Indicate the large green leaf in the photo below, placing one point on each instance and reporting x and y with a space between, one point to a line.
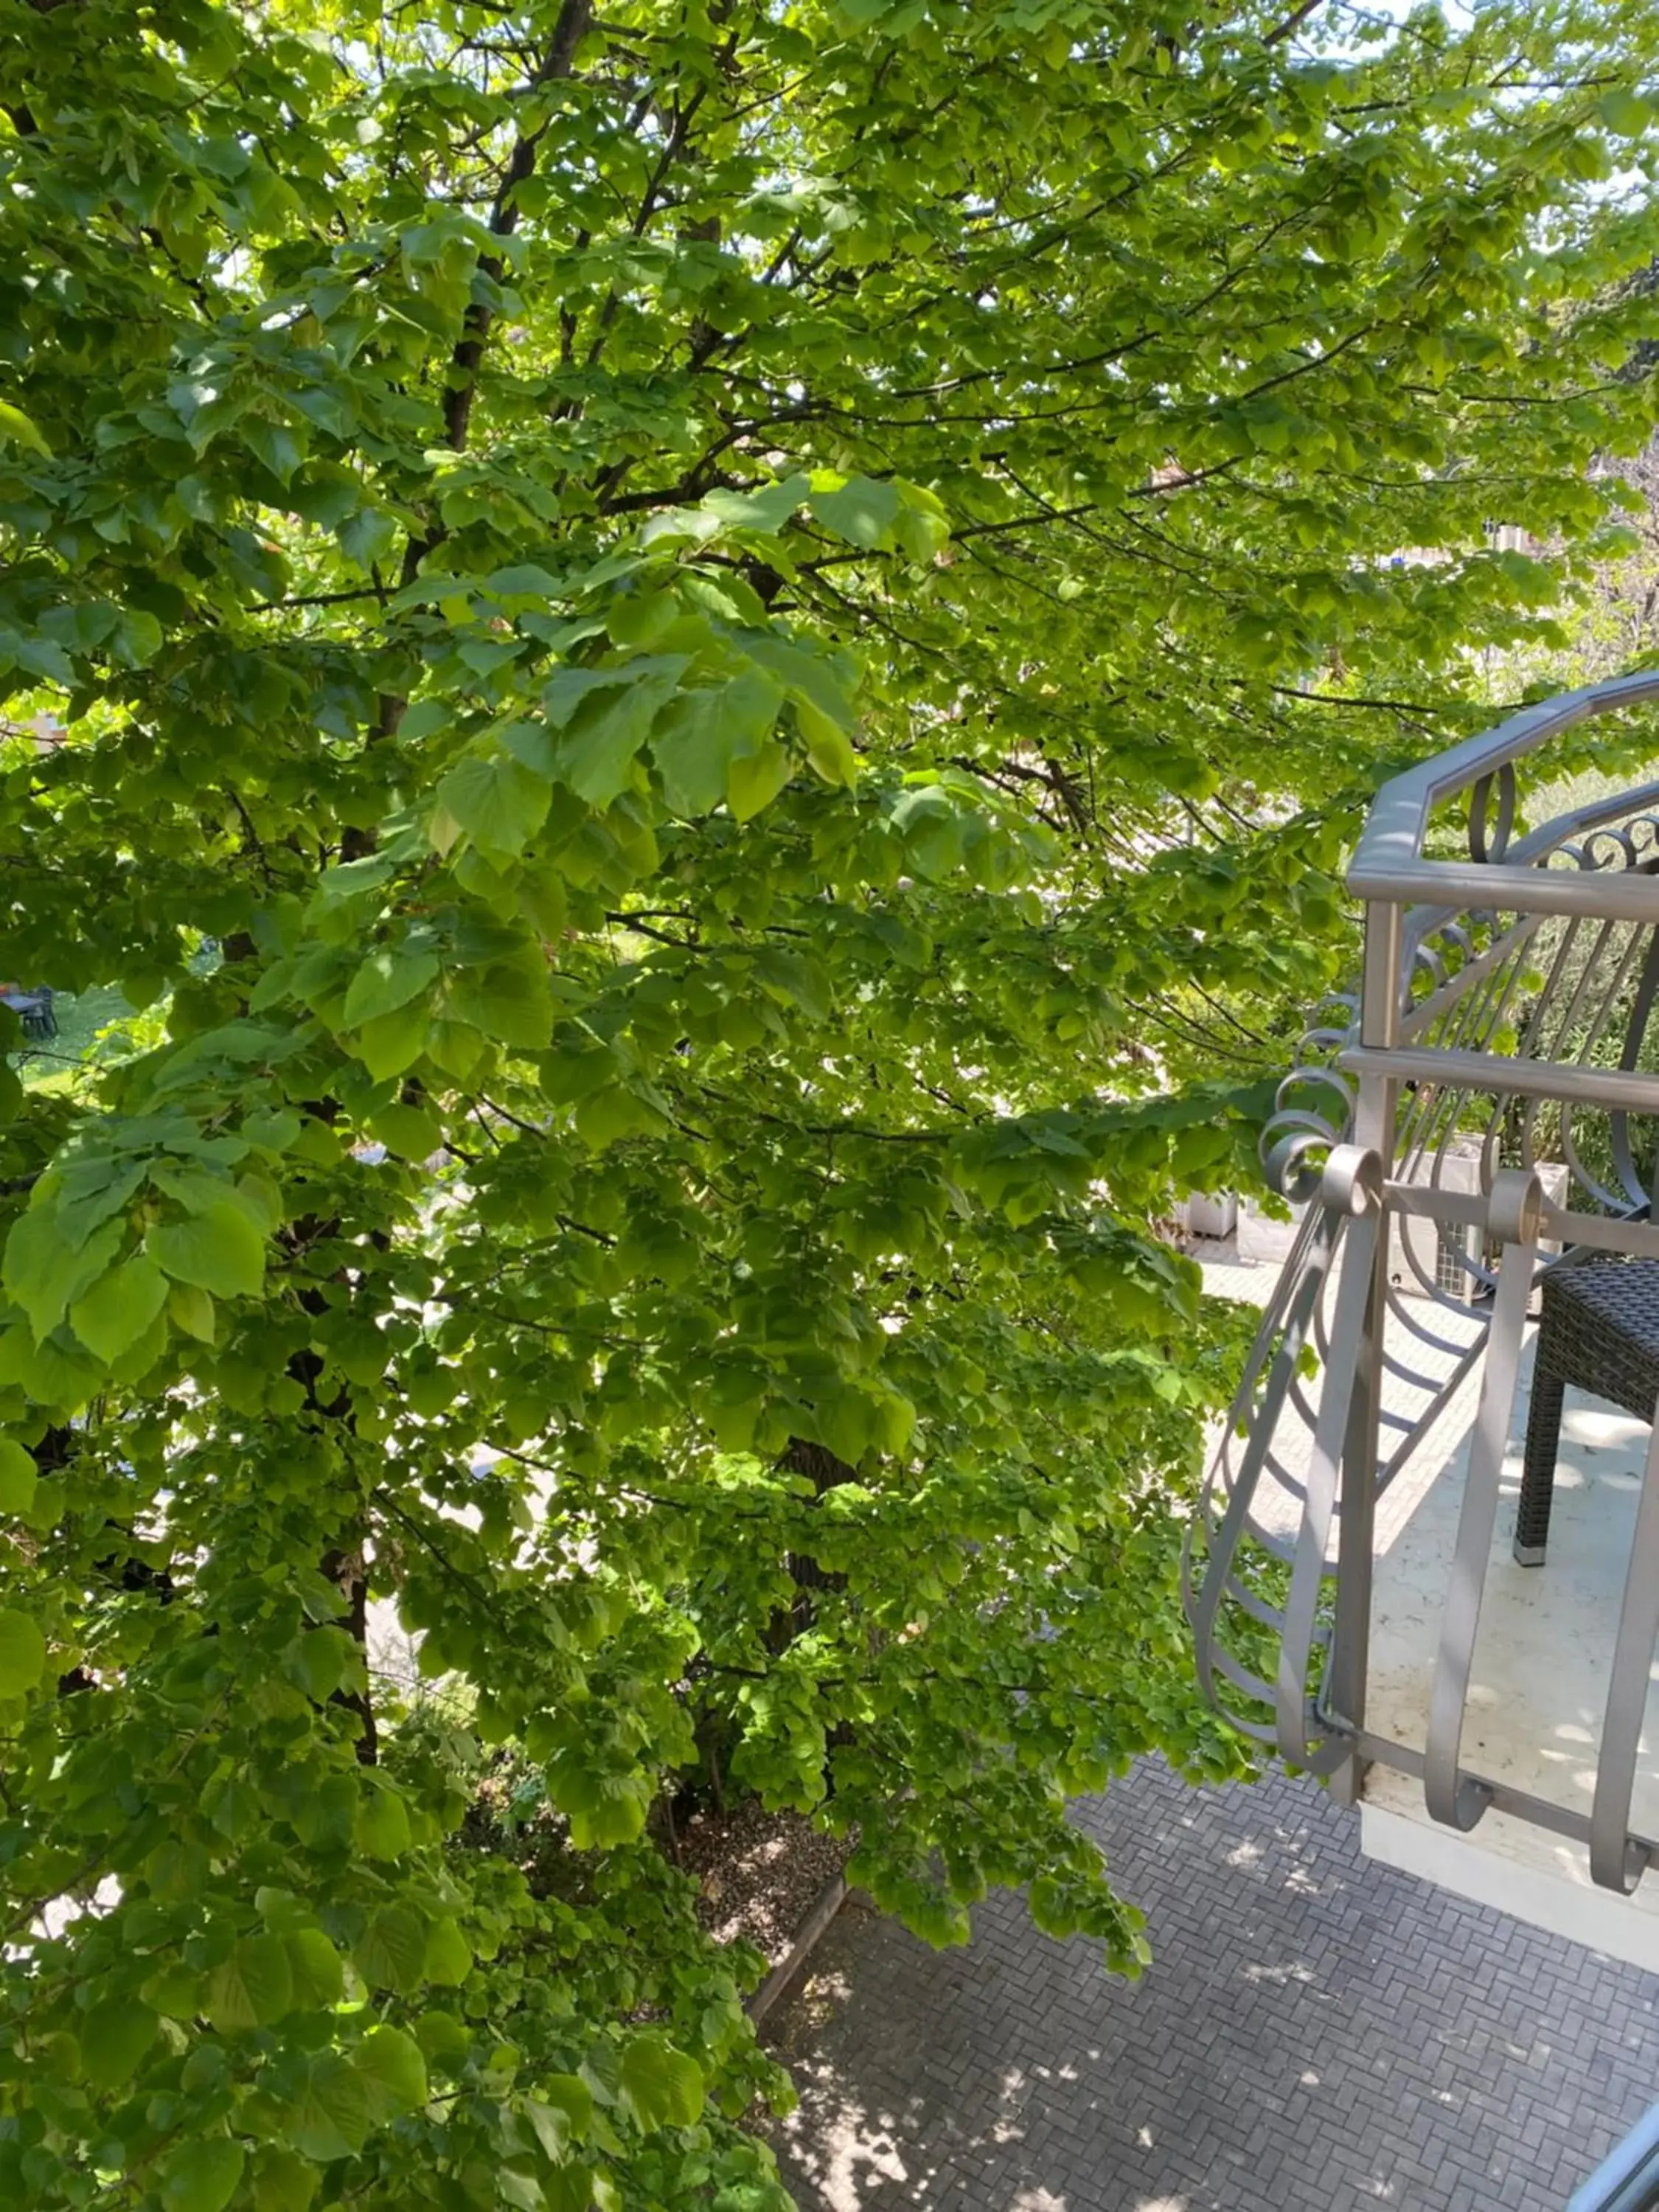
120 1307
595 755
756 779
43 1271
705 731
561 2113
389 978
511 1000
315 1964
662 2086
382 1828
394 2070
23 1652
201 2176
114 2035
15 425
494 800
448 1955
19 1477
251 1987
861 510
218 1250
603 1807
390 1954
392 1043
283 2181
331 2114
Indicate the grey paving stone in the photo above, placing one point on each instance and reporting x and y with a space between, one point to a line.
1313 2032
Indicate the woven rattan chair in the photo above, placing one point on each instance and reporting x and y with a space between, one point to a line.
1599 1331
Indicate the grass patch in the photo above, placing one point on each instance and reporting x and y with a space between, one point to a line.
53 1064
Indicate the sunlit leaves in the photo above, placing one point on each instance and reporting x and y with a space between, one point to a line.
448 1955
709 783
43 1269
18 1478
22 1653
120 1306
711 735
496 801
661 2085
604 1806
382 1824
283 2181
388 979
218 1250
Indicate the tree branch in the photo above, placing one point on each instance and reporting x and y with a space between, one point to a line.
558 61
1293 22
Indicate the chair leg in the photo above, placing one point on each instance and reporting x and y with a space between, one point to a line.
1532 1521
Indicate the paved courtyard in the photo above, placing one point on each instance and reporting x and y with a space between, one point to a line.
1314 2034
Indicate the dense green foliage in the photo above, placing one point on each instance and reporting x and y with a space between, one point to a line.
754 630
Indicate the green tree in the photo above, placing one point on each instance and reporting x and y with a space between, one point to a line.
754 630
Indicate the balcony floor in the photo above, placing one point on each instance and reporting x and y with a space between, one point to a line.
1541 1662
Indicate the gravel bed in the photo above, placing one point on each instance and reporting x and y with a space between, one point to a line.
759 1871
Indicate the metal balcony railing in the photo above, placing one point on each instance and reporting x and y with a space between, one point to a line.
1627 2179
1485 1110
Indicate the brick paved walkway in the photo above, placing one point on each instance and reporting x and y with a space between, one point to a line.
1314 2034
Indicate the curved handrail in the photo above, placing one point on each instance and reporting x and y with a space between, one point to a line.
1389 862
1627 2179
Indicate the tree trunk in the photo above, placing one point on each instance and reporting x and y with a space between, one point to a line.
826 1472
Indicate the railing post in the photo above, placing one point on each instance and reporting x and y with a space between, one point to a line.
1515 1213
1380 994
1374 1124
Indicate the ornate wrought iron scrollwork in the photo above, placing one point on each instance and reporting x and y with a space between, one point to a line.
1632 844
1313 1107
1490 841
